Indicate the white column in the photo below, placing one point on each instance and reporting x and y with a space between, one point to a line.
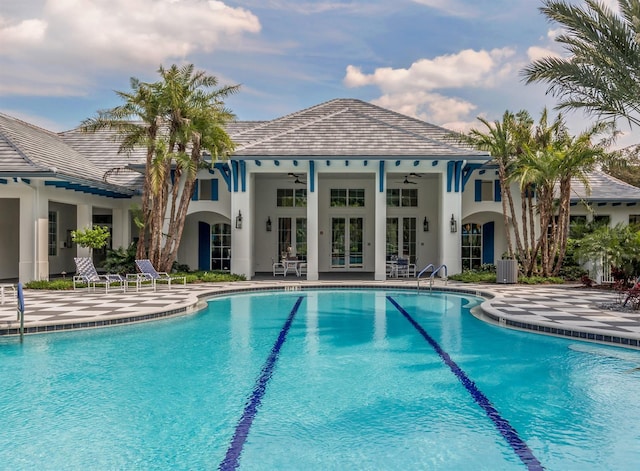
380 224
451 204
26 270
83 221
313 225
241 238
121 230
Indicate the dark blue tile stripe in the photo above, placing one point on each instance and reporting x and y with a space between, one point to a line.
504 427
232 458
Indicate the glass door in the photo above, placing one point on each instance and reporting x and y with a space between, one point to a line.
221 247
347 242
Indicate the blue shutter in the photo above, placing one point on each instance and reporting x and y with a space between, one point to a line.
478 190
214 189
497 191
194 197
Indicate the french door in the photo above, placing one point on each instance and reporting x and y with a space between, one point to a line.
347 242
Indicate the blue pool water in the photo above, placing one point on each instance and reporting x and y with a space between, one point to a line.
318 380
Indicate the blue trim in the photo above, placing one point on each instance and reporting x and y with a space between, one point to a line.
615 204
481 172
85 189
243 175
3 181
215 196
497 191
416 163
234 175
478 190
328 163
517 444
467 171
226 173
602 204
631 204
258 163
231 460
450 165
25 180
295 163
365 163
173 176
458 173
397 163
346 163
195 196
276 163
381 179
312 176
434 163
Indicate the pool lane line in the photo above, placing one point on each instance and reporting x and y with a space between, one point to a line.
232 457
510 434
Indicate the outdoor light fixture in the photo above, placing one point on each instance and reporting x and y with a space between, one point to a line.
454 224
239 220
268 223
425 225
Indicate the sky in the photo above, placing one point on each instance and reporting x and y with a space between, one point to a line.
443 61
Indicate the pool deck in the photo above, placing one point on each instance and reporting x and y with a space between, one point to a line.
566 311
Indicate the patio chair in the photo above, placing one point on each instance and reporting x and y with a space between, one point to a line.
277 267
149 273
86 273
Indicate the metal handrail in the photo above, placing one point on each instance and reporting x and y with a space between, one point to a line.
20 309
433 274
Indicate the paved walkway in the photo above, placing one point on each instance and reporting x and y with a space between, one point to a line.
555 310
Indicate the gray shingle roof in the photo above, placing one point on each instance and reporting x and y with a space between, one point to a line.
101 148
348 127
27 150
604 188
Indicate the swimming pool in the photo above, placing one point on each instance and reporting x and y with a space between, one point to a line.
318 379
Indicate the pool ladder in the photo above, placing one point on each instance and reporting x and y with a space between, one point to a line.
434 273
20 310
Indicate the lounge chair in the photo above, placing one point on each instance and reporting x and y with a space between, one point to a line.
149 273
86 273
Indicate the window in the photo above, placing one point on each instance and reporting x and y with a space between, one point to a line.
206 190
603 220
289 197
487 190
577 226
292 243
405 197
471 246
341 197
634 219
221 247
53 233
405 247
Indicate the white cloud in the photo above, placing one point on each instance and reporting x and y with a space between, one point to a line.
450 7
412 91
535 53
93 36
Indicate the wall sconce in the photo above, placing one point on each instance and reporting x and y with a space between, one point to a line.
425 225
269 224
239 220
454 224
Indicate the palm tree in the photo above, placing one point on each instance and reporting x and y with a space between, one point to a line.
600 74
137 123
179 117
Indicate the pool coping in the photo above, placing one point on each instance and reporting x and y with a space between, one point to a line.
195 301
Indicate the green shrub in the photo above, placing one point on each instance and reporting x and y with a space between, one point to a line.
538 280
54 285
474 276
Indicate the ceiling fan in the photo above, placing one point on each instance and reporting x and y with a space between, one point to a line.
407 181
297 178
